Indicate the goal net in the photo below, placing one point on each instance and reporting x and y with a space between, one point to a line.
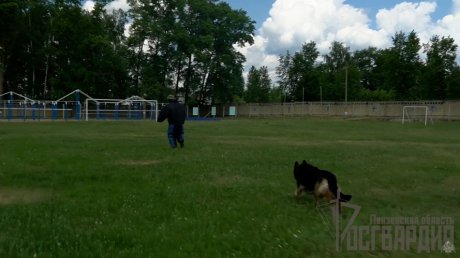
416 114
133 108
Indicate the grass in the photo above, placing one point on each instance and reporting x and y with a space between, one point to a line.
115 189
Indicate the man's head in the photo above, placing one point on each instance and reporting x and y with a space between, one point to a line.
171 98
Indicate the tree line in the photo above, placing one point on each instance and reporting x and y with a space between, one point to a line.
186 47
396 73
183 47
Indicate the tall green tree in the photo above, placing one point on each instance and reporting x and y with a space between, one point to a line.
87 51
282 72
305 83
10 21
453 84
441 54
402 66
153 48
368 64
339 74
57 47
258 85
298 78
186 46
225 65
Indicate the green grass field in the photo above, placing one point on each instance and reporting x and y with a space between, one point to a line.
116 189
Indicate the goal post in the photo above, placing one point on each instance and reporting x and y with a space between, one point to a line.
134 108
416 113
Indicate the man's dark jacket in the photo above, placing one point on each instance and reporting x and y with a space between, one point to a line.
174 112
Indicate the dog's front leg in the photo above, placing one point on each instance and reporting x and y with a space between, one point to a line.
299 190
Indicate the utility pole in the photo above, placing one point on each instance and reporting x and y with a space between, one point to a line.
346 85
303 94
321 94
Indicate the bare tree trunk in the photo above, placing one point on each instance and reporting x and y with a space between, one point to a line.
2 70
45 81
203 86
2 75
187 78
47 64
138 67
33 57
204 83
179 68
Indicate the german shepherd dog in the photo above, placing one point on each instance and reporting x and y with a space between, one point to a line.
322 183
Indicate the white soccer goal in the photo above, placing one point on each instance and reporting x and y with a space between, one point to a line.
133 108
416 113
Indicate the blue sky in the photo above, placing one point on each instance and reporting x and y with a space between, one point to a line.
259 10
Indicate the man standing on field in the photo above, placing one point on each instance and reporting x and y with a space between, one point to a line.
175 113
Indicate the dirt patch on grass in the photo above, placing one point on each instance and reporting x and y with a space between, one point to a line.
258 140
366 143
242 141
451 183
133 162
379 192
232 180
10 195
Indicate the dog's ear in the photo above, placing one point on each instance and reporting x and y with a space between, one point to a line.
304 163
296 164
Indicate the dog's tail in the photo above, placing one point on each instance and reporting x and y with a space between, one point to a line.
345 197
333 187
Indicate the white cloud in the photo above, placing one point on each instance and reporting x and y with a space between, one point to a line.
114 5
256 56
294 22
407 17
88 5
117 4
449 25
127 29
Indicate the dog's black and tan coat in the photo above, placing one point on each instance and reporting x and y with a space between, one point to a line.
322 183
